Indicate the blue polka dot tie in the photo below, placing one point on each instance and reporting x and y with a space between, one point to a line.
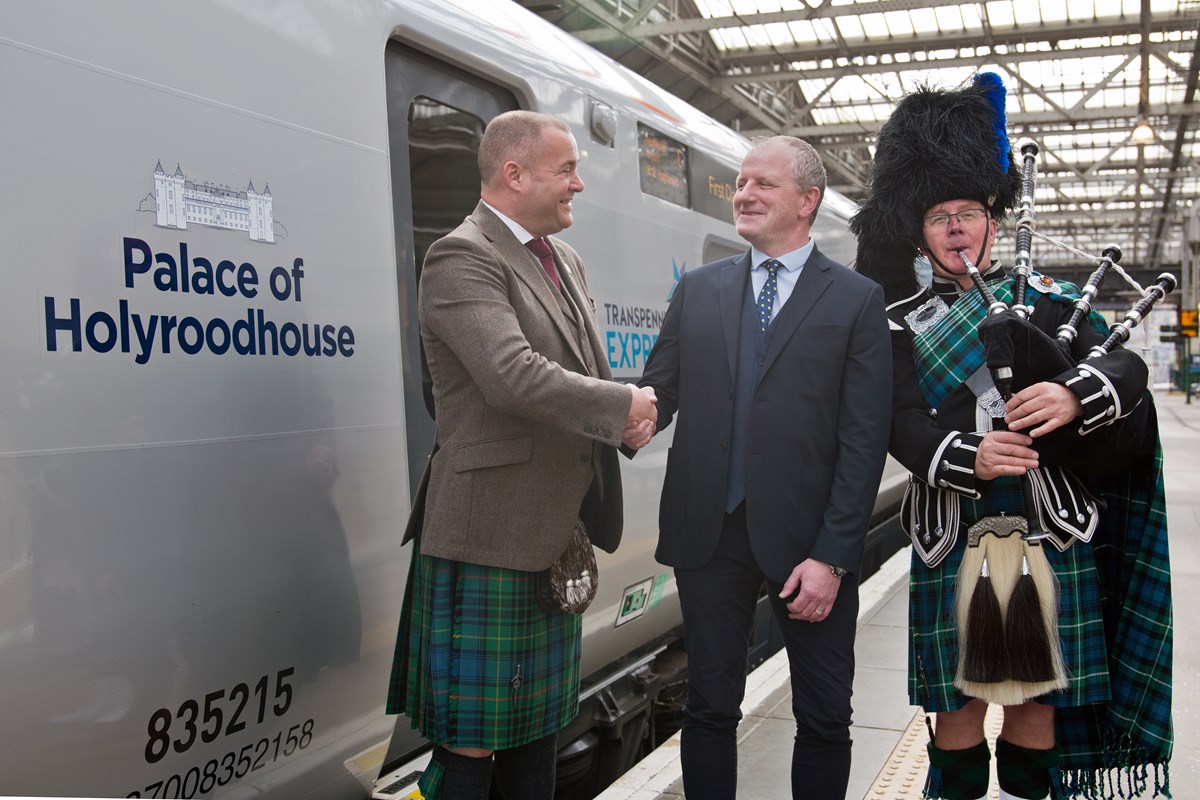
766 298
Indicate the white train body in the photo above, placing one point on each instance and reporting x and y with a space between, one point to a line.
211 414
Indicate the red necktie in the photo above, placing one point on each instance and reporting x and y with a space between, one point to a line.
541 249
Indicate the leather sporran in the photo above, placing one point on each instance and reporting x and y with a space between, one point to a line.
570 584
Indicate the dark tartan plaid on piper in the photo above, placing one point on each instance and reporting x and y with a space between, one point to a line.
478 663
933 641
950 351
1122 748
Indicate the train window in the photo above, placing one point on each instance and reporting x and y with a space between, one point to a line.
443 143
663 164
443 169
720 248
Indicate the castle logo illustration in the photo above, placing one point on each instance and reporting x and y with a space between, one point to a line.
180 201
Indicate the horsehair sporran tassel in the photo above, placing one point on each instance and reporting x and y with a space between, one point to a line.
1005 554
982 642
1048 592
1026 637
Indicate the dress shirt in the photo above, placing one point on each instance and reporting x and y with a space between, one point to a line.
786 278
523 236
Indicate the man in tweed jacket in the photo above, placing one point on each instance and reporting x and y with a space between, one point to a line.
527 423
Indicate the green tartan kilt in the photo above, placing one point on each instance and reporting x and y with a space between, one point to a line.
478 663
933 633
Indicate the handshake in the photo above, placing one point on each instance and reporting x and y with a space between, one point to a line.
643 418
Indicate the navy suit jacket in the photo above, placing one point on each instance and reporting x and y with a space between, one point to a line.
819 424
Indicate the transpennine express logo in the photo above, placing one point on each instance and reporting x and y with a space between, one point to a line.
633 330
678 272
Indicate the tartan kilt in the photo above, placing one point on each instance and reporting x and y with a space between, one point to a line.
478 663
933 634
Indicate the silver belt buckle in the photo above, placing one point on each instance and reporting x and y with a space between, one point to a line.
1001 526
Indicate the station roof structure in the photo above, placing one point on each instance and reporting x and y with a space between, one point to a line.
1081 76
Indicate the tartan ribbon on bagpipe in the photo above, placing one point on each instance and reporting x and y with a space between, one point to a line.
950 351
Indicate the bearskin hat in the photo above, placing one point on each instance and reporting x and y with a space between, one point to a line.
938 145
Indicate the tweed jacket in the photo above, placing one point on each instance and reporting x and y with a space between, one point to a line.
527 415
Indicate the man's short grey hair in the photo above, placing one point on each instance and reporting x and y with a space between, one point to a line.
512 136
807 169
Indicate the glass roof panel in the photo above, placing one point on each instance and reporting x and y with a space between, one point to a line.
874 25
852 27
731 38
1001 15
949 18
1081 108
1043 11
712 8
779 34
920 20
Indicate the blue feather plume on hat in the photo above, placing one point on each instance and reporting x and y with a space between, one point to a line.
995 93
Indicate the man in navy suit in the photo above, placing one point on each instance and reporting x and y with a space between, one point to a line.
778 365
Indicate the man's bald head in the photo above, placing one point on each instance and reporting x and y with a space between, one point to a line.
512 136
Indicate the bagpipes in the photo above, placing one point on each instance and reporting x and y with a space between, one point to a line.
1020 354
1006 606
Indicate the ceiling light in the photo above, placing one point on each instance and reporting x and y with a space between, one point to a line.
1143 133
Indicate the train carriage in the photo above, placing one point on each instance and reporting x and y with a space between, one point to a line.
212 414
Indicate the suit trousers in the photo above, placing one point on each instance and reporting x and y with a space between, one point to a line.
719 601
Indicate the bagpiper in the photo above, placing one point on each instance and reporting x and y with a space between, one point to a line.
1040 576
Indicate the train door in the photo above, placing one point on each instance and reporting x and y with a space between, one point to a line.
436 116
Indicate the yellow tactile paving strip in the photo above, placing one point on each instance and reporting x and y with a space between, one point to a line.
903 776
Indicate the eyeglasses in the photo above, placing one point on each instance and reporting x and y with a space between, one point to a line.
967 216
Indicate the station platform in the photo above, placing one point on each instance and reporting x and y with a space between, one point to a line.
889 734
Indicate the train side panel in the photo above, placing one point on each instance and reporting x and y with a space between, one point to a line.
200 493
211 411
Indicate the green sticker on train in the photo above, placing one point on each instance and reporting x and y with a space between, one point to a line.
656 593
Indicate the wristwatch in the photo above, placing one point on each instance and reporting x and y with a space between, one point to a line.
837 571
